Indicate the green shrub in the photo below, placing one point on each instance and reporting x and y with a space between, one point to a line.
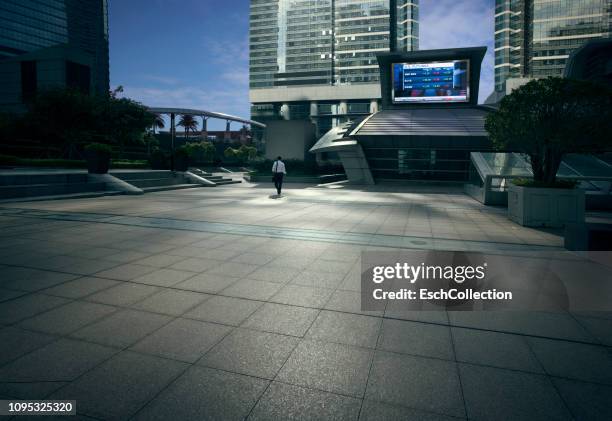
159 160
98 147
557 184
200 152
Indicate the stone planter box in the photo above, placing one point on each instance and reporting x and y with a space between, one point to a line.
98 162
545 207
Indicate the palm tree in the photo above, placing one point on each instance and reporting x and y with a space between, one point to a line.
158 123
189 124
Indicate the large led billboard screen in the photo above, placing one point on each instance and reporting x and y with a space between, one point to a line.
431 82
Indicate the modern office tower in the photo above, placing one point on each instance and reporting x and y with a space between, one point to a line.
316 59
47 43
534 38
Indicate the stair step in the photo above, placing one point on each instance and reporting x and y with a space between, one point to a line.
84 195
172 187
31 190
140 175
156 182
227 181
18 179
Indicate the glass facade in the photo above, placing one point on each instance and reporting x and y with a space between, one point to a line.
325 42
534 38
29 25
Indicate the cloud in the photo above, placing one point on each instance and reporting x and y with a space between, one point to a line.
166 80
452 23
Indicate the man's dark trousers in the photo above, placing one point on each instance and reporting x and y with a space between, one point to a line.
278 182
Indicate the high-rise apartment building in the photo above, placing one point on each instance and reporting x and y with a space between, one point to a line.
316 59
52 42
534 38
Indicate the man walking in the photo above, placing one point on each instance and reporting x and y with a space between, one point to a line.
278 171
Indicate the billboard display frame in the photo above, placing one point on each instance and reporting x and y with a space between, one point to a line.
434 99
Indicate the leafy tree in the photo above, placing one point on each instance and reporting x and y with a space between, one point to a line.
200 151
229 152
64 118
158 123
125 121
69 119
243 154
189 123
548 118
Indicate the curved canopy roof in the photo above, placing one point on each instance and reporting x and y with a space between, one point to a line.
202 113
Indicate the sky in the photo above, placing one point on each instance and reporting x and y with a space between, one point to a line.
195 53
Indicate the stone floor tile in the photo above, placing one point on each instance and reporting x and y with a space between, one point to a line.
330 367
207 282
586 401
414 338
283 319
171 302
62 360
125 272
495 349
67 318
378 411
251 289
259 354
349 329
123 294
573 360
163 277
496 394
80 287
421 383
225 310
205 394
27 306
122 328
26 279
127 382
16 342
182 339
287 402
302 296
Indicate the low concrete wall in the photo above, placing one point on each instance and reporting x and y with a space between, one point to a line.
291 179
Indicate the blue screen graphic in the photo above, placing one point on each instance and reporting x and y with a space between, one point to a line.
431 82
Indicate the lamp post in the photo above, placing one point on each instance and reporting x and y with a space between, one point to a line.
172 136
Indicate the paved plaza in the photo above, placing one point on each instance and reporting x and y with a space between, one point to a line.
225 303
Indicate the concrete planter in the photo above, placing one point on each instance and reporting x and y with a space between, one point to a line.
545 207
98 162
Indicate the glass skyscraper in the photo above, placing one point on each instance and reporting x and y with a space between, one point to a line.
534 38
30 25
317 58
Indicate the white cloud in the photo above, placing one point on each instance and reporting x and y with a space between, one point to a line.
226 91
166 80
452 23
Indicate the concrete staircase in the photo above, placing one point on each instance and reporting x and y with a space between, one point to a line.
41 184
217 179
159 180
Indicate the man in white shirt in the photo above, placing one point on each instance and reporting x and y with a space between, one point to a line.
278 171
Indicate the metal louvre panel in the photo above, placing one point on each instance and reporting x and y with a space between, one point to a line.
426 122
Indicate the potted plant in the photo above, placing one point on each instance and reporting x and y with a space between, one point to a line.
544 120
181 159
158 159
98 156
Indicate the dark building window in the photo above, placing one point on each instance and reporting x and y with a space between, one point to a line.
28 80
78 76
